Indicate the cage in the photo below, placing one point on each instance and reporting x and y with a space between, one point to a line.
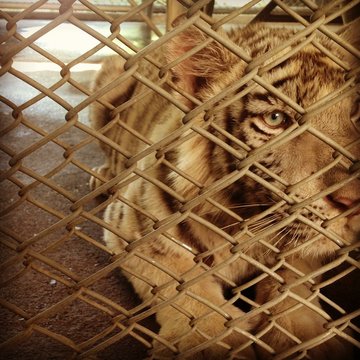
64 292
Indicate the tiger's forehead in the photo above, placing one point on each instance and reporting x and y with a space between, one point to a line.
305 77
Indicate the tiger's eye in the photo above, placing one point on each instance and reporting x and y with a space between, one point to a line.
274 119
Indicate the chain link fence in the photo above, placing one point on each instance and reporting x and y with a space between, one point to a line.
63 294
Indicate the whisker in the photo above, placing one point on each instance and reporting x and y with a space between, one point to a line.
308 235
295 234
230 225
287 230
283 236
251 227
262 224
236 206
245 205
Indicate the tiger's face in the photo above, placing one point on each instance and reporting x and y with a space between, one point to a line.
307 166
303 168
312 175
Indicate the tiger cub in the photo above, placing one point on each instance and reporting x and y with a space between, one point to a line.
213 201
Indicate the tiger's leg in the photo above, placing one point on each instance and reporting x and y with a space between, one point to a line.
192 319
303 322
195 325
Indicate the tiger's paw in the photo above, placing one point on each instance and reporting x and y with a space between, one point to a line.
196 344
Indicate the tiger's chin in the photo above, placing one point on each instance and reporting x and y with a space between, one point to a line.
342 234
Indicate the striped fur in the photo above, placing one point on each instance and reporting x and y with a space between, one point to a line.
189 247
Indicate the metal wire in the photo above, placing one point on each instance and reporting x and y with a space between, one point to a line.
40 253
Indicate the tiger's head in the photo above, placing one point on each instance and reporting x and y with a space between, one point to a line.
288 158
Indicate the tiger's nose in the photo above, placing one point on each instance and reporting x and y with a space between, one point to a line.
345 203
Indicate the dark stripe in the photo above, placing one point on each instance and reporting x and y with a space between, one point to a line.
241 134
209 260
282 65
127 95
189 238
250 114
262 97
229 127
142 189
240 89
172 156
156 250
229 120
257 129
121 214
243 192
172 204
281 82
142 223
141 219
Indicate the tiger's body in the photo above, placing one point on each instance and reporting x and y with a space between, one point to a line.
197 230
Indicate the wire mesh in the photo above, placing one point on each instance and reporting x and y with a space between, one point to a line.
62 291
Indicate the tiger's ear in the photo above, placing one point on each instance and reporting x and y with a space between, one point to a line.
202 67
